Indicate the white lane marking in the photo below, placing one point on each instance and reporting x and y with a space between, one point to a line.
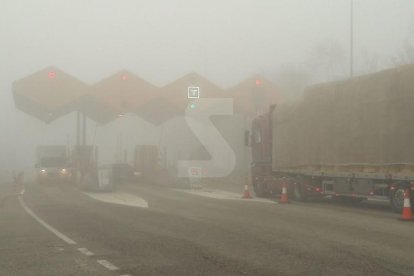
107 265
119 198
85 251
205 194
44 224
65 238
218 194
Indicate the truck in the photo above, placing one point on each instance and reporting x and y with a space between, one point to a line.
52 164
350 140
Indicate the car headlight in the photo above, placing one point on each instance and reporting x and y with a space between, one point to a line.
63 171
43 171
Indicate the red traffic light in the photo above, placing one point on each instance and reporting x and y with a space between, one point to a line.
259 82
51 75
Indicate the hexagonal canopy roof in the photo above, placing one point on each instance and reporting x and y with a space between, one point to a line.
51 93
177 91
254 96
158 110
124 92
48 94
95 109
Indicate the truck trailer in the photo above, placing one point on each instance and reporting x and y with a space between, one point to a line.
351 140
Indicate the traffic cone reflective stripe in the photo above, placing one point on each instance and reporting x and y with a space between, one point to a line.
246 193
284 196
407 213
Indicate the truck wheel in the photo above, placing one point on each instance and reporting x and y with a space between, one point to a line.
397 199
299 192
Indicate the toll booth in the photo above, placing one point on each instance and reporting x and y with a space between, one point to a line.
84 160
147 160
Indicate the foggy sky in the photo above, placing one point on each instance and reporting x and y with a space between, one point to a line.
161 40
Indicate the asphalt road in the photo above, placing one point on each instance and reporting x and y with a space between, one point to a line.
188 234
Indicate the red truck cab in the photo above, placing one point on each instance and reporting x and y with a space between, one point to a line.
265 181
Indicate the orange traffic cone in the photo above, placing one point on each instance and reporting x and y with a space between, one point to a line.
246 193
284 197
407 213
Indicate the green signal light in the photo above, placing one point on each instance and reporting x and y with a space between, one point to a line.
192 106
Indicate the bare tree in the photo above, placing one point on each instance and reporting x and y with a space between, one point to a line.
292 79
328 60
406 53
370 62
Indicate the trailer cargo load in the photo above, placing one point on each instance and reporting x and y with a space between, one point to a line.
360 125
351 140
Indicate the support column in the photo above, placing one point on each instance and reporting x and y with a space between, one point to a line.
84 130
78 128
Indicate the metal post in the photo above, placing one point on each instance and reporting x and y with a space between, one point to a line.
351 40
246 154
78 128
96 157
68 145
84 129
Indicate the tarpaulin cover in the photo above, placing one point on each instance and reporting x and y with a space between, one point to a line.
365 120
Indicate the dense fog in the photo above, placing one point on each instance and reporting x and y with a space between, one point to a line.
291 43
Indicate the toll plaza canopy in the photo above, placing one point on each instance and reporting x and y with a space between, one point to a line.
51 93
178 92
157 110
124 92
48 94
253 96
174 98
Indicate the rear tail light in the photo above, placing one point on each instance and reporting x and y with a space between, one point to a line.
317 189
